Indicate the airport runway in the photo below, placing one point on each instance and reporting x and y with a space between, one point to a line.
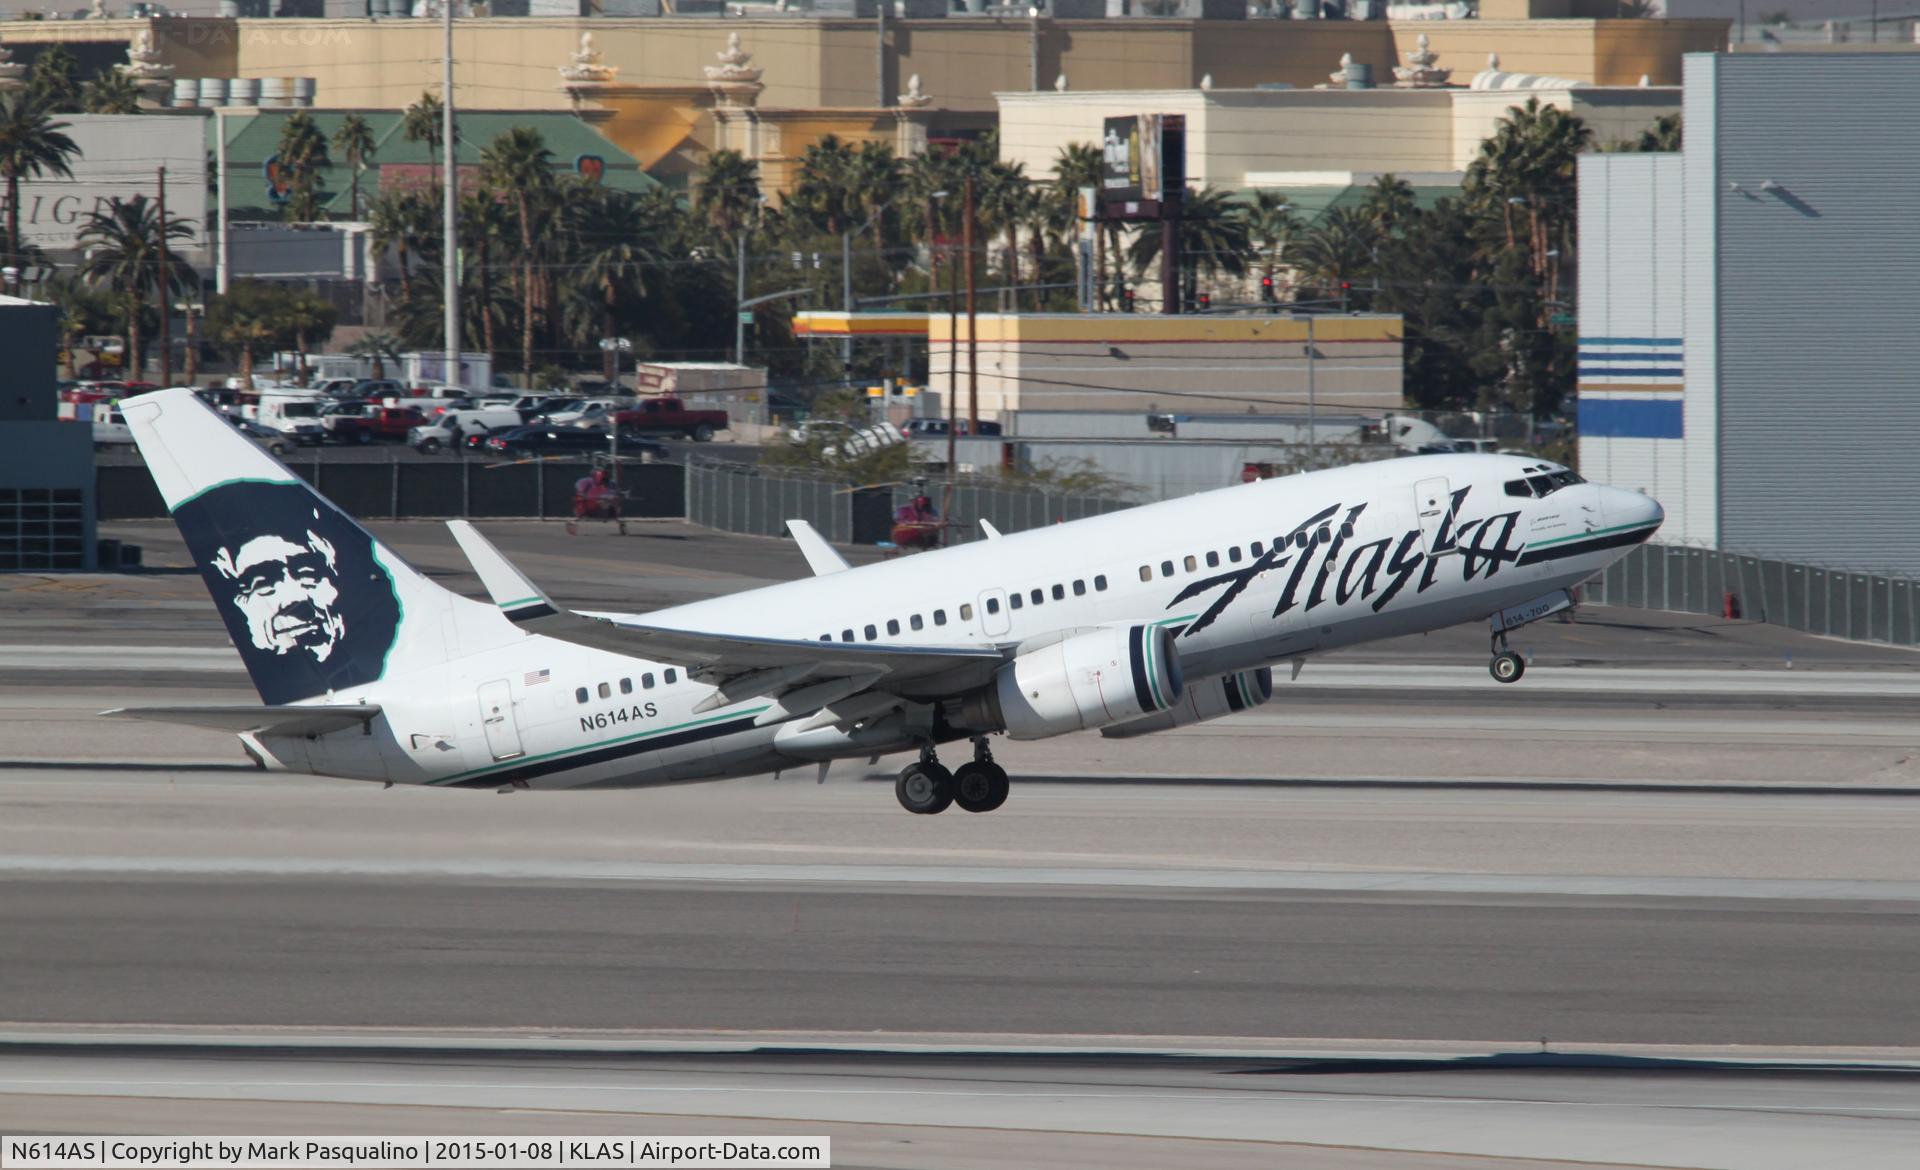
1674 832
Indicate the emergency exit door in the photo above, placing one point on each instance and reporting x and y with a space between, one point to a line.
496 718
1433 504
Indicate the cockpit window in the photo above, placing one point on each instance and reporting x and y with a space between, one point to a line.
1543 485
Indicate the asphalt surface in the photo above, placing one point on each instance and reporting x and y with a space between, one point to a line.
1674 832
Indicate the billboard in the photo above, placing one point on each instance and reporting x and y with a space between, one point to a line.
1143 158
120 156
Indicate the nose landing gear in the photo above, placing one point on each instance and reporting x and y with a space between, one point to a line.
925 787
1506 666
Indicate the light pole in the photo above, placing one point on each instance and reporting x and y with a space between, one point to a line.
189 309
613 347
846 279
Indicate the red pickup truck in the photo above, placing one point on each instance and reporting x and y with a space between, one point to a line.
670 416
374 422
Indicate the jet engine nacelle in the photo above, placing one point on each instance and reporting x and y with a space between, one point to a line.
1088 680
1210 698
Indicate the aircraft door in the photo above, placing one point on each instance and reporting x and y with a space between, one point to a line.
995 619
496 717
1433 504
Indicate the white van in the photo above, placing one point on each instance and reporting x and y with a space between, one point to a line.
109 429
294 413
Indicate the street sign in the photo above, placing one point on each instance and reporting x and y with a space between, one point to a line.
746 316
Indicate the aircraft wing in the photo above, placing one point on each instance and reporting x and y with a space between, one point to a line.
715 657
303 721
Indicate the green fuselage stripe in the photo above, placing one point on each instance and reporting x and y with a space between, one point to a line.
523 761
1589 535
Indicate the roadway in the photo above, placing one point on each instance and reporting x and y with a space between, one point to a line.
1677 845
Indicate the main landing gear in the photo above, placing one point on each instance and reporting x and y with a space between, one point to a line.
977 786
1506 666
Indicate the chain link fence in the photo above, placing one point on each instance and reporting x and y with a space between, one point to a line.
1860 607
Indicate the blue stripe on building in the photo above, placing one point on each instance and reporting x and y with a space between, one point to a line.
1673 341
1631 372
1629 418
1627 355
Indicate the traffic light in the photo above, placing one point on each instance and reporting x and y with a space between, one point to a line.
1267 292
1206 302
1346 288
1126 300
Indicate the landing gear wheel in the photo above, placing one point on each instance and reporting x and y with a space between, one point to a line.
924 788
1507 667
980 786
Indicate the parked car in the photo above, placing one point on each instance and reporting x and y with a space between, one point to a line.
546 408
667 415
603 405
338 387
263 436
454 425
376 389
394 423
109 429
837 436
936 428
541 439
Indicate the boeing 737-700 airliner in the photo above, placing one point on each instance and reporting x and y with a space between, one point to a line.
1128 623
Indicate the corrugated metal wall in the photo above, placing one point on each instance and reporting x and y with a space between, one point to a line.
1700 414
1818 198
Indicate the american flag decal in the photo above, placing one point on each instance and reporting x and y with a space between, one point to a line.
536 677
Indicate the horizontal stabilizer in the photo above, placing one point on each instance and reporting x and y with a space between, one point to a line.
303 721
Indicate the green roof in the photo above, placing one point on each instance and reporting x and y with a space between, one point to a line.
253 138
1310 204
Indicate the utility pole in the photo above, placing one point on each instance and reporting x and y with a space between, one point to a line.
881 98
166 293
1033 48
846 303
221 271
450 206
740 296
973 346
953 362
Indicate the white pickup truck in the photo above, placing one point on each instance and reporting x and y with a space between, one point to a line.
455 426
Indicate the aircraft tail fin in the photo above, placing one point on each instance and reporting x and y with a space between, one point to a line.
313 602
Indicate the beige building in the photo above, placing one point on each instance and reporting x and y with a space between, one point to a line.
1200 364
1299 138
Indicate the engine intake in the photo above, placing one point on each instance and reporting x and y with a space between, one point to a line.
1093 679
1210 698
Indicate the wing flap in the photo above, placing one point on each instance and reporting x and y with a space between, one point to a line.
301 721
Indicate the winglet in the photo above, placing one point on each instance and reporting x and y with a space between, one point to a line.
821 557
519 598
987 527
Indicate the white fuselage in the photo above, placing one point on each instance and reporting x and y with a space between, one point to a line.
1361 563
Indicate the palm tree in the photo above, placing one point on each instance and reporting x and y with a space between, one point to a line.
249 317
824 192
355 142
112 92
127 248
424 122
1271 223
308 315
1664 136
926 179
729 193
303 151
1214 239
402 221
612 227
518 165
31 145
1334 252
486 231
1001 196
54 80
380 346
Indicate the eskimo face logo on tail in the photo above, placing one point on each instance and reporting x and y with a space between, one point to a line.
305 601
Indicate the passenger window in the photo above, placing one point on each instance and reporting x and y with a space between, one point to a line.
872 633
826 637
1014 601
672 677
1166 568
993 606
1191 563
940 616
916 622
1100 584
1213 560
626 686
1233 554
606 691
1079 588
966 613
1146 572
893 626
579 694
1254 548
1037 596
1300 539
646 682
1346 531
1059 591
